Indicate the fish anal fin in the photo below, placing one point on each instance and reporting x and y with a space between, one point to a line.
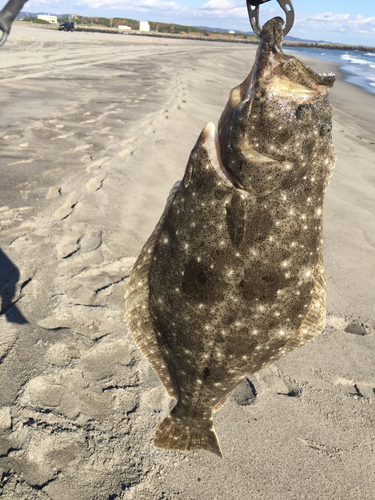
137 311
222 402
174 434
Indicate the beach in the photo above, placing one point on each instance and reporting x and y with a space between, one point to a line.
95 129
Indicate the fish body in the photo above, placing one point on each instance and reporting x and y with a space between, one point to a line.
232 278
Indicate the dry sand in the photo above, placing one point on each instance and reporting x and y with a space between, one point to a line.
94 131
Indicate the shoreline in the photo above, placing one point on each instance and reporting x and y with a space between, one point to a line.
213 37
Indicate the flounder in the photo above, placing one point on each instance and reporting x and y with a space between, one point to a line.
232 277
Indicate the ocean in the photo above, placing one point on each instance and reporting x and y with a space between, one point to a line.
358 66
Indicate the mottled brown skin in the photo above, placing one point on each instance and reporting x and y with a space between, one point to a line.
235 269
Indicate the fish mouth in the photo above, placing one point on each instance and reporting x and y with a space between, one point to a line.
275 77
210 138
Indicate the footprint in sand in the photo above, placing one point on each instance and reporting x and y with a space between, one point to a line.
52 171
8 215
102 131
66 249
245 393
11 136
5 419
64 136
83 147
131 140
97 164
91 240
67 208
150 131
362 389
357 328
53 193
349 326
127 152
95 183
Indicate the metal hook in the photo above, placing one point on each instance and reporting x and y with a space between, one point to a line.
3 38
253 10
7 16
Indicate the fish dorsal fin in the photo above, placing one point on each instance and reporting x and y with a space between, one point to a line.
137 311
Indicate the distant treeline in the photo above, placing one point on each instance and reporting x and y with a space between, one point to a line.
167 28
35 20
115 22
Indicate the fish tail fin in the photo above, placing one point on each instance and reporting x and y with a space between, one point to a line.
175 434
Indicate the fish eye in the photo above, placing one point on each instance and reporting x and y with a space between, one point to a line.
326 128
302 111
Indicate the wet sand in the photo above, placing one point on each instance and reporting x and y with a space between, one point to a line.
94 131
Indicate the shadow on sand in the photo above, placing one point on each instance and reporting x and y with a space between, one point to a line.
9 276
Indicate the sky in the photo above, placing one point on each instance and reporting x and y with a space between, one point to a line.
337 21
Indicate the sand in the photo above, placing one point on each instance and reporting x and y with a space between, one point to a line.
94 131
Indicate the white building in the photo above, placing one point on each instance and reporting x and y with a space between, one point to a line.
144 26
124 28
231 32
50 19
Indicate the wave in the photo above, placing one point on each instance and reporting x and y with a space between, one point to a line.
356 60
369 54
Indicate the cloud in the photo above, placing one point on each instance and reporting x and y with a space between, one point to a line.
120 6
222 9
134 5
336 22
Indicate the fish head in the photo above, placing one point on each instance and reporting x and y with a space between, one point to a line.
278 120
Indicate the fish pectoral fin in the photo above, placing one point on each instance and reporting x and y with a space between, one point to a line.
236 217
175 434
